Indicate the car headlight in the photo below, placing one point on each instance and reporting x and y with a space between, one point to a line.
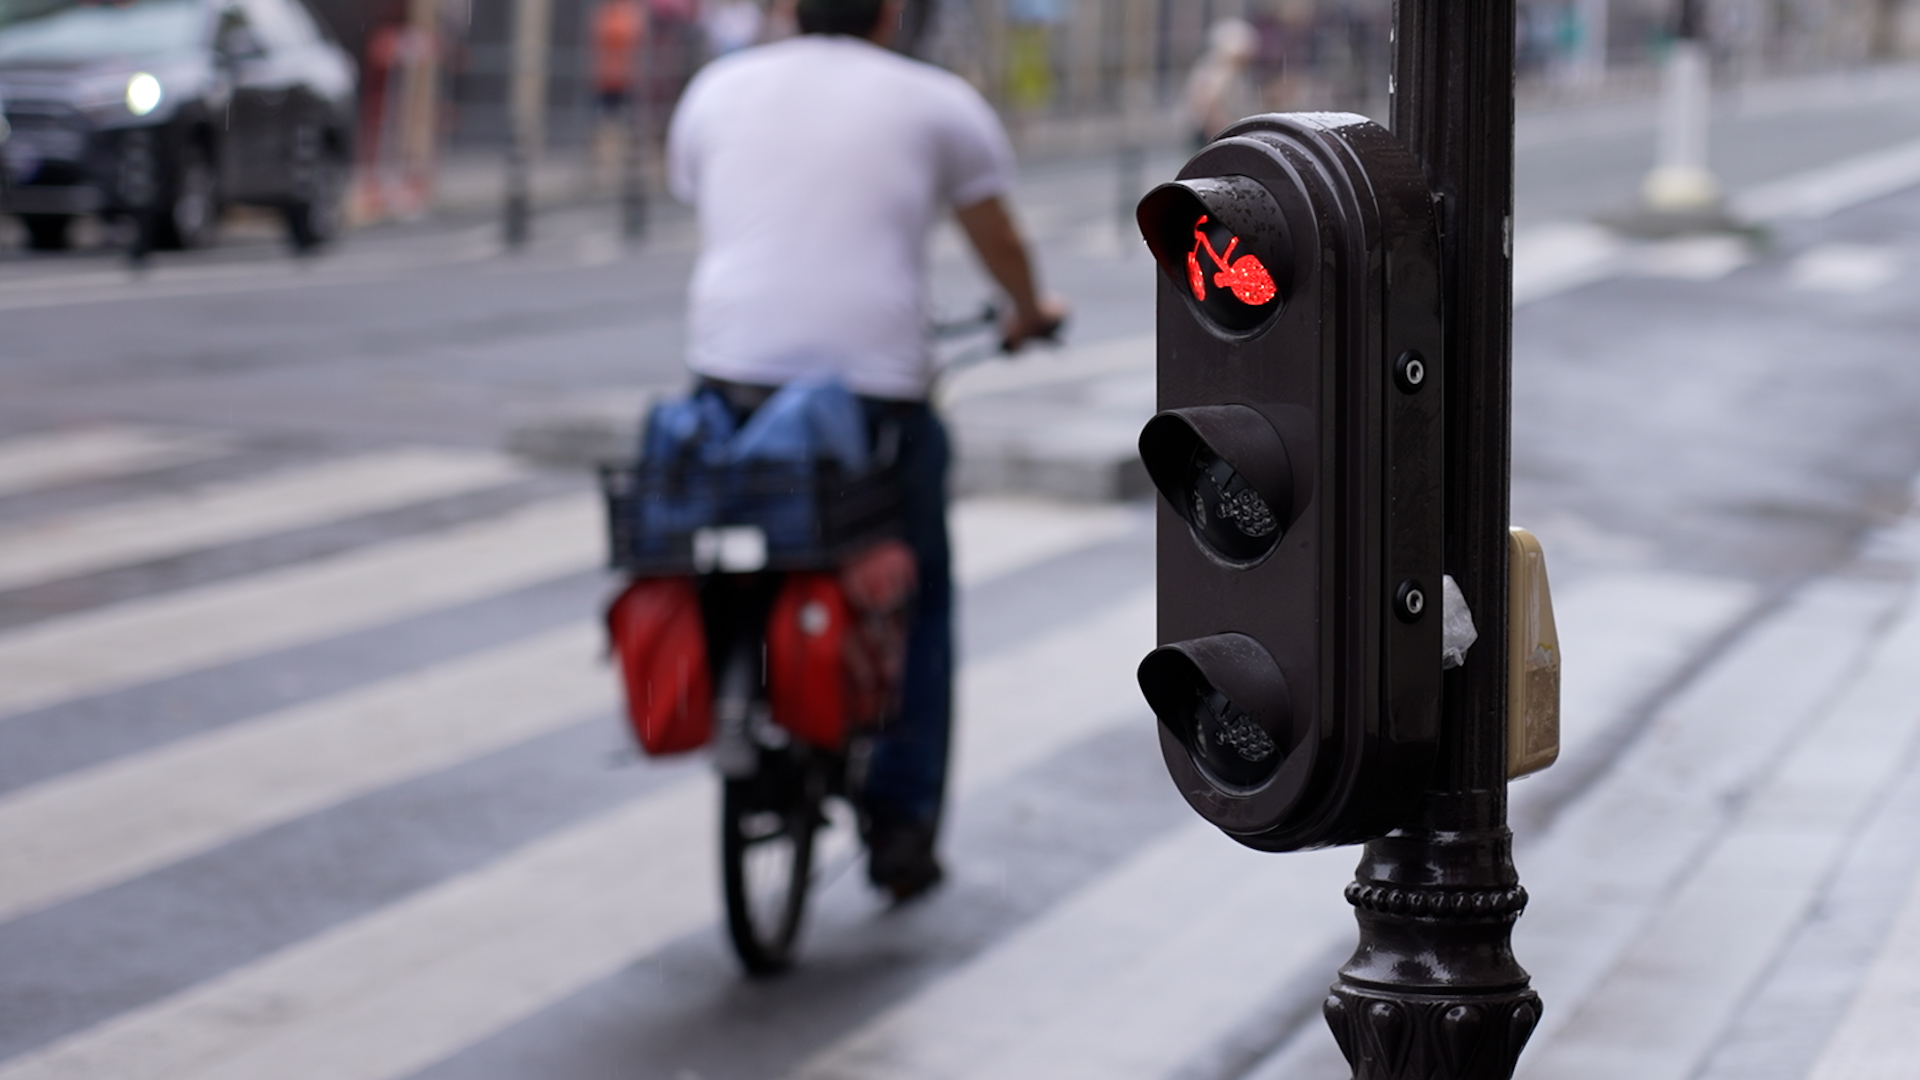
143 93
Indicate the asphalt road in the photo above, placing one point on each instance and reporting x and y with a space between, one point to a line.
305 771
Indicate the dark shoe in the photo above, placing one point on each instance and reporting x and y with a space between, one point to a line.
900 859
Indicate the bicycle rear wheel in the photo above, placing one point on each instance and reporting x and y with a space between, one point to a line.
766 847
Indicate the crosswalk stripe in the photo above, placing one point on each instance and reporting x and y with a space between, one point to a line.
172 524
1834 186
488 946
1601 869
1018 709
119 646
994 536
1877 1039
1612 860
1553 258
1059 1002
68 457
85 830
151 638
1624 633
405 986
1740 901
1128 978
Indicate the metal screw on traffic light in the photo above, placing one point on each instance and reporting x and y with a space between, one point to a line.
1409 372
1410 602
1297 452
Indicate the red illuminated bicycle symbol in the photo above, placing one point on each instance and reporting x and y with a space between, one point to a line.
1245 277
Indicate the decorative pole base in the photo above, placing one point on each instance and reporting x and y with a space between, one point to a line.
1433 991
1399 1036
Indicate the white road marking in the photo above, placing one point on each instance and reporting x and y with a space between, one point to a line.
1670 994
106 824
1616 865
1079 994
1611 860
1129 978
995 536
1623 635
389 993
1554 258
1693 258
162 525
1844 268
1877 1039
116 647
67 457
1817 193
1017 709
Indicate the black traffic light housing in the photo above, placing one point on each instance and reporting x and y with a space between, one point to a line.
1298 450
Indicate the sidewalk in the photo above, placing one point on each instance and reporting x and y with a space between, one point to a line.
1739 894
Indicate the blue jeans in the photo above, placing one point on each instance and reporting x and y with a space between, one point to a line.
907 779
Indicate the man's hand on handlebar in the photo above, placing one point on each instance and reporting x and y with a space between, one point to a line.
990 227
1040 322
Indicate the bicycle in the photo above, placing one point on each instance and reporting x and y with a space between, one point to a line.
780 529
748 533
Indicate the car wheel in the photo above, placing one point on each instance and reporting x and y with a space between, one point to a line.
191 218
313 217
47 232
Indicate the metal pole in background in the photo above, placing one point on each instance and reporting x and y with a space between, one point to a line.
1433 991
1137 102
638 139
1590 63
421 118
1681 185
527 105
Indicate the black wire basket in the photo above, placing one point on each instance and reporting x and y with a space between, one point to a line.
692 518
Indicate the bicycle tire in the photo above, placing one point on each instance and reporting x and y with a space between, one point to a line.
768 822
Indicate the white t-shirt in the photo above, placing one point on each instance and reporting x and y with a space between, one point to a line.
818 165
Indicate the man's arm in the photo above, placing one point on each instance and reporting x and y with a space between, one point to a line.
991 230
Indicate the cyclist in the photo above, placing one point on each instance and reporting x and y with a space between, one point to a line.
817 166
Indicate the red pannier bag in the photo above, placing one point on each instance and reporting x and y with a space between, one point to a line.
837 645
660 642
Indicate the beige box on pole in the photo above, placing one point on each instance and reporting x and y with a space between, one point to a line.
1533 660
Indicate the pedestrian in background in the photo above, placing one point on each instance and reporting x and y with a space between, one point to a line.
1220 90
619 27
731 25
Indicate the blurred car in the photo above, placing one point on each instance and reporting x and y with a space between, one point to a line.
166 111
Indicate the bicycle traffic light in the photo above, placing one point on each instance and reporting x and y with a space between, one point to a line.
1298 452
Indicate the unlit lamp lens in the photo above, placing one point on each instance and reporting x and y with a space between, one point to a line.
1230 744
143 94
1227 512
1223 700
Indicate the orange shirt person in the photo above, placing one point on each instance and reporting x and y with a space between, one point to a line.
619 26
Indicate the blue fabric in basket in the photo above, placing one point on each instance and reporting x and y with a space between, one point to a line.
683 453
805 422
698 427
701 470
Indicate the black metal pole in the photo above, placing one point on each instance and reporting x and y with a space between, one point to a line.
1688 21
519 199
1433 991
